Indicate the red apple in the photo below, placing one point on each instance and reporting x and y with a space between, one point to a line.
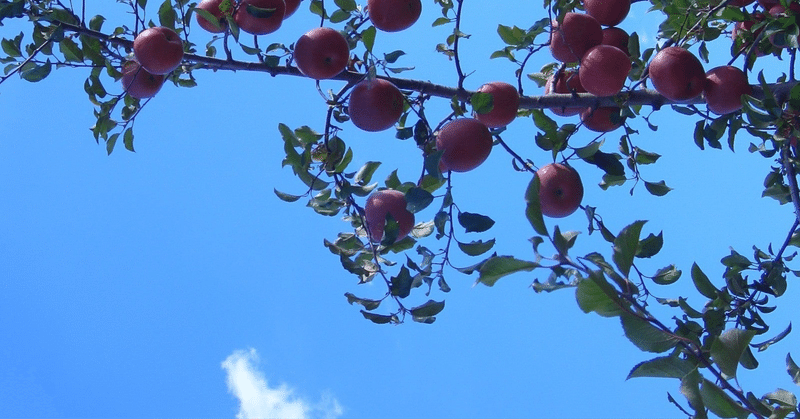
465 144
321 53
768 4
394 15
260 22
292 6
599 119
375 105
616 37
560 190
505 102
159 50
568 81
677 74
381 203
574 36
604 70
724 88
139 83
213 7
607 12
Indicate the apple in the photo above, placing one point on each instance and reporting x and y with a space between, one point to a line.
292 6
778 10
375 105
260 22
158 49
560 190
600 119
604 70
768 4
138 82
570 39
677 74
724 88
505 102
607 12
383 203
465 143
321 53
213 7
616 37
568 81
394 15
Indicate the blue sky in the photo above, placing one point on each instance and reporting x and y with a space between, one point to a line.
171 282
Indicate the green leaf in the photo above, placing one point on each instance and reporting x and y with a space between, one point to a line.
625 246
658 189
417 199
666 276
368 38
287 197
127 139
393 56
12 46
477 247
596 294
167 15
719 402
782 398
482 102
663 367
766 344
497 267
702 283
367 303
650 246
727 349
792 369
35 73
440 21
429 309
346 5
533 208
401 284
646 336
474 222
690 388
380 318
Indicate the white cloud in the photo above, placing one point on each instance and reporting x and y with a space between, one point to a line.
258 400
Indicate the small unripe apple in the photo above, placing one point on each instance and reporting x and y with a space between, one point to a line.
568 81
465 143
560 190
213 7
677 74
616 37
604 70
724 88
600 119
321 53
505 103
574 36
375 105
394 15
381 203
138 82
159 49
607 12
260 22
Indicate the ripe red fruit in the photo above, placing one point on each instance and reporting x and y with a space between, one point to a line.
465 144
139 83
257 24
560 190
292 6
381 203
607 12
375 105
505 102
677 74
604 70
574 36
211 6
768 4
159 50
724 88
616 37
394 15
321 53
600 119
566 83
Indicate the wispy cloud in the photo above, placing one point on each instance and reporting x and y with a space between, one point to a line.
258 400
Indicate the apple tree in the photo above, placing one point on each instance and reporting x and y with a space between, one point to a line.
595 71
